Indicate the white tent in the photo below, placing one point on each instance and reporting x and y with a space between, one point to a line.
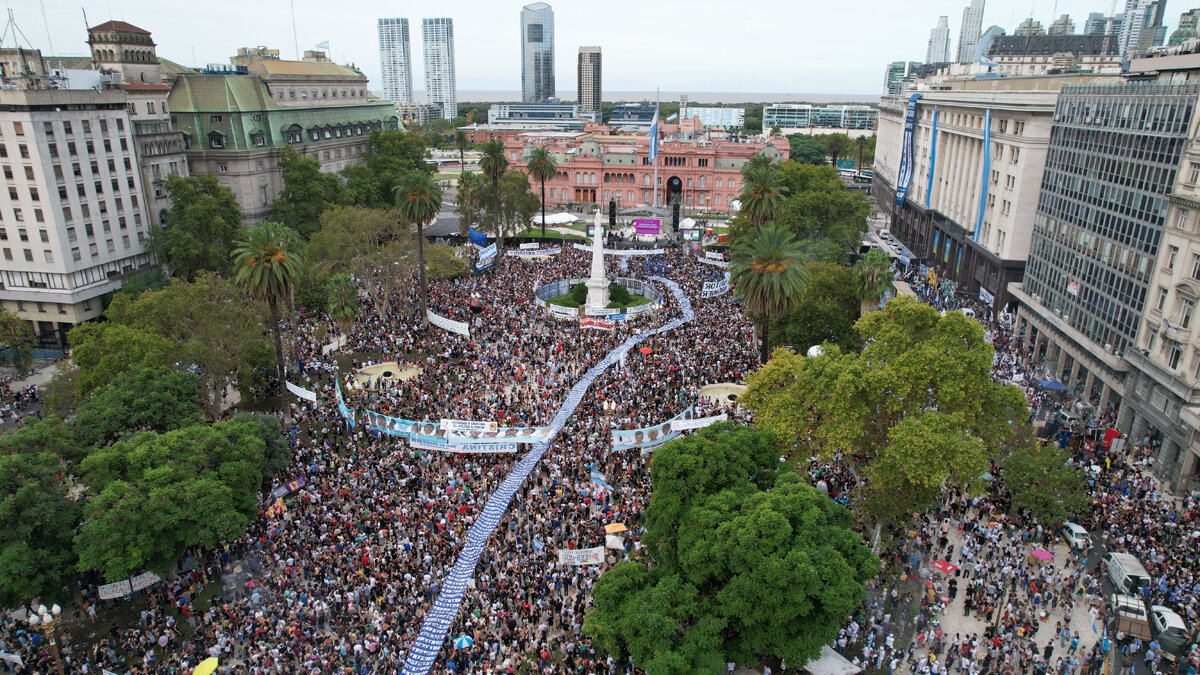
687 223
556 219
831 663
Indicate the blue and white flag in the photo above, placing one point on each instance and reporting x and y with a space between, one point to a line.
599 481
489 252
654 134
323 45
537 544
984 61
477 238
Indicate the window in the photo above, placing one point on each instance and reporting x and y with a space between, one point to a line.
1195 173
19 128
49 256
1016 156
44 236
29 173
1172 253
91 147
28 255
216 141
1162 299
214 118
1196 266
1182 220
1173 359
222 168
75 255
33 194
1003 126
149 107
8 254
24 151
1185 312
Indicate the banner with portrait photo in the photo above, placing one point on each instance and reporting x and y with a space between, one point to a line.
581 556
697 423
628 439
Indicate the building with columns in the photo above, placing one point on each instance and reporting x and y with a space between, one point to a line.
595 169
968 205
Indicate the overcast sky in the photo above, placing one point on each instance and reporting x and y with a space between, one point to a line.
699 46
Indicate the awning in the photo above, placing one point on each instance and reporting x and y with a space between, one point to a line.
1052 385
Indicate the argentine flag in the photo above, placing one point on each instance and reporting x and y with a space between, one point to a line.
983 60
654 134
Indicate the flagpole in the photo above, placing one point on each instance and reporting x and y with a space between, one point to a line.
654 142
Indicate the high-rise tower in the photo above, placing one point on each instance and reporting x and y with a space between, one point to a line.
972 25
395 63
438 37
589 79
537 52
939 42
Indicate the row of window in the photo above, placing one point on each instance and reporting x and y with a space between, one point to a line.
305 94
78 279
76 255
68 129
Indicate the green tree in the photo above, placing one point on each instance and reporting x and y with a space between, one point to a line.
38 517
277 452
873 279
836 146
756 162
1041 479
266 267
142 282
389 156
307 192
367 244
768 277
826 312
418 199
201 226
493 164
102 351
542 167
472 190
861 144
518 204
746 563
156 495
806 150
343 301
915 412
61 394
460 142
762 195
442 262
16 341
148 399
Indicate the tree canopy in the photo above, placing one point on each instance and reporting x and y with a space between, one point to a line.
147 399
746 563
389 155
307 192
915 412
1040 478
805 149
16 341
201 226
826 312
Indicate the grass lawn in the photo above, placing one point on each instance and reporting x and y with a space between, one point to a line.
550 234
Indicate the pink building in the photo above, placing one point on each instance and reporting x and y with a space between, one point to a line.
594 169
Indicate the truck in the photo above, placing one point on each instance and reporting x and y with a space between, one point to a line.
1129 618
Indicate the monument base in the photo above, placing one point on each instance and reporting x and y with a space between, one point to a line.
597 297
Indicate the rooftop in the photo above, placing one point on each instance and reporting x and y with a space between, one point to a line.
118 26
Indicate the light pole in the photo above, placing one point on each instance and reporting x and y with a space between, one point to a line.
45 620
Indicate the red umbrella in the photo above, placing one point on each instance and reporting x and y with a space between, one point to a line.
943 566
646 350
1041 554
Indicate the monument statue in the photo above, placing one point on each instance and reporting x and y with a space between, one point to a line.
597 283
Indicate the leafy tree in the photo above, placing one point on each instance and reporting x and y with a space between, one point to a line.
201 226
156 495
16 341
542 167
61 393
747 564
763 192
267 268
768 277
915 412
365 243
37 515
215 327
277 452
826 312
579 293
102 351
518 204
137 284
307 192
472 190
1040 478
45 435
441 262
362 186
806 150
873 279
460 142
343 301
148 399
836 146
493 164
619 294
418 200
389 156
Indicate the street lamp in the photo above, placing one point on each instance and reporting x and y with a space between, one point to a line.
45 620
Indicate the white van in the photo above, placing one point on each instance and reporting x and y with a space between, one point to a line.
1076 537
1126 572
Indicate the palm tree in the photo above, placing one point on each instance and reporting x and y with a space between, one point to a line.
470 200
419 199
460 142
873 276
493 163
769 276
267 265
763 191
343 301
541 167
758 161
861 142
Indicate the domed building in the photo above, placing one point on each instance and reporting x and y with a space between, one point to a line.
1187 28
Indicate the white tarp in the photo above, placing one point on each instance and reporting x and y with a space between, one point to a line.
699 423
581 556
556 219
12 658
831 663
306 394
448 325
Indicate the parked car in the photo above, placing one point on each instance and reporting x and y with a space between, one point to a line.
1170 631
1129 618
1076 537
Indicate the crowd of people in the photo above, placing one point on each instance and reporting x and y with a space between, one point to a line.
16 400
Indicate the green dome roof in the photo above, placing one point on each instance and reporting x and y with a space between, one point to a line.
1184 32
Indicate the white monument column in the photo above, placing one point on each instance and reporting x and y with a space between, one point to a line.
597 284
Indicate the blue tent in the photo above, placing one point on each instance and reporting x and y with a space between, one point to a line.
1052 385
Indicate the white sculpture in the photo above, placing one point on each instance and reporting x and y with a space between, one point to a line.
597 284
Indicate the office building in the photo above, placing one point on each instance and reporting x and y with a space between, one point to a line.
900 75
1063 25
73 221
419 114
1048 54
395 61
1098 24
1029 27
1141 27
589 80
968 36
804 118
724 118
632 117
939 43
537 53
973 227
548 116
1098 229
438 38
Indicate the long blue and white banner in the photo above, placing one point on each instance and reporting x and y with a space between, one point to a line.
718 263
343 408
628 439
423 651
904 177
623 252
932 157
987 169
533 252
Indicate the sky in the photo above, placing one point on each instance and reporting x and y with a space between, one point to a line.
833 47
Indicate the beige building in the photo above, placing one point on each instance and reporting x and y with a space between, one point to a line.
73 221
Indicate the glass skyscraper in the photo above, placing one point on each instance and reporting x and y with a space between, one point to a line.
537 52
395 62
438 37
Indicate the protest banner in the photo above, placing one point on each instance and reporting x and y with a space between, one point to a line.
581 556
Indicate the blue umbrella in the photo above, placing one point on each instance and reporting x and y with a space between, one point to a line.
462 641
